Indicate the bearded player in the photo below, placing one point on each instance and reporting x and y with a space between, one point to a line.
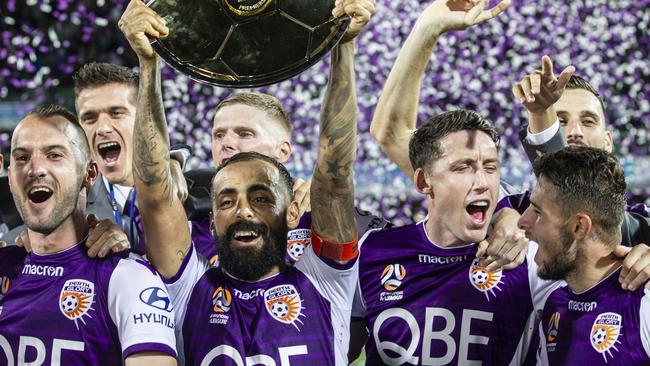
575 216
251 308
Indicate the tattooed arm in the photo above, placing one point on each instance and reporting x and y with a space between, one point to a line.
166 231
332 190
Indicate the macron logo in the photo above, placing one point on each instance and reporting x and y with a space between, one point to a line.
34 269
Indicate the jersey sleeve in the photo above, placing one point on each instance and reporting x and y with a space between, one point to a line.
539 289
335 281
644 316
141 309
181 285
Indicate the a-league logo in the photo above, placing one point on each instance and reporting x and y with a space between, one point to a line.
284 304
392 276
221 300
605 333
76 299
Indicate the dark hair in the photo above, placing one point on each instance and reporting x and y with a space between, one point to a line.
264 102
425 147
78 139
577 82
251 155
589 180
96 74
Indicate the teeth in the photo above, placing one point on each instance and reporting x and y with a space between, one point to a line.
107 145
480 203
239 234
40 189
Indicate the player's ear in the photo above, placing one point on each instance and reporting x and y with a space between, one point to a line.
293 214
284 151
609 141
422 182
212 229
582 226
92 172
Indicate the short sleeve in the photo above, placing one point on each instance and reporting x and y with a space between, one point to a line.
141 309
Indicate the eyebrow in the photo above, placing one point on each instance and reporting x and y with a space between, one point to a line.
253 188
45 148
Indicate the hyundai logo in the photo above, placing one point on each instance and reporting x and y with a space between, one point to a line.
157 298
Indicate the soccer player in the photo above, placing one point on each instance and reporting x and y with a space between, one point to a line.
252 308
62 307
575 216
105 96
570 102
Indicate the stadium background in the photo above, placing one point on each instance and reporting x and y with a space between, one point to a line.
43 41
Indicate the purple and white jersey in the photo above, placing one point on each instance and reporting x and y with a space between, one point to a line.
298 317
604 325
427 305
68 309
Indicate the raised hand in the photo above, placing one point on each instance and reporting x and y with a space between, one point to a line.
541 89
140 25
359 12
449 15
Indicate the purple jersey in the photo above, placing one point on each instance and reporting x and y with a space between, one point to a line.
427 305
604 325
68 309
298 317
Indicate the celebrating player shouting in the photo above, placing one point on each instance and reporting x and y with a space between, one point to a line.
252 309
62 307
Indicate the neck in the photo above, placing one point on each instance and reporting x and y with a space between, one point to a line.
70 232
440 234
596 261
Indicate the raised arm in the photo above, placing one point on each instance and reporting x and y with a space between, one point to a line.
332 190
396 114
167 234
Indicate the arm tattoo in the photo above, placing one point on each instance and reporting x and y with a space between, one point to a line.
332 185
151 158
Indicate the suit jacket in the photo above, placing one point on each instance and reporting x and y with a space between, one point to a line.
558 142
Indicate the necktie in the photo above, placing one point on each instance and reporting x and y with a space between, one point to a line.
133 228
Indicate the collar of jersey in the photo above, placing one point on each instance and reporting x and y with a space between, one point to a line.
76 250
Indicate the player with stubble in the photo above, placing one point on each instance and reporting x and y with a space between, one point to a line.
577 208
61 307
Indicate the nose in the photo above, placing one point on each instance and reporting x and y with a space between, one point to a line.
481 181
244 211
574 131
229 142
104 125
36 167
524 222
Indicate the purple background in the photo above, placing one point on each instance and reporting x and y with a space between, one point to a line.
42 42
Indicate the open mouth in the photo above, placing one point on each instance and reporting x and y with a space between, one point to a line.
39 194
109 151
477 210
246 236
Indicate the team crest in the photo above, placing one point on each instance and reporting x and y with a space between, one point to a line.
76 299
483 279
284 304
605 333
297 241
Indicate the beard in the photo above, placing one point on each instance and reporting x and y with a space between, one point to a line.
562 261
251 263
63 208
